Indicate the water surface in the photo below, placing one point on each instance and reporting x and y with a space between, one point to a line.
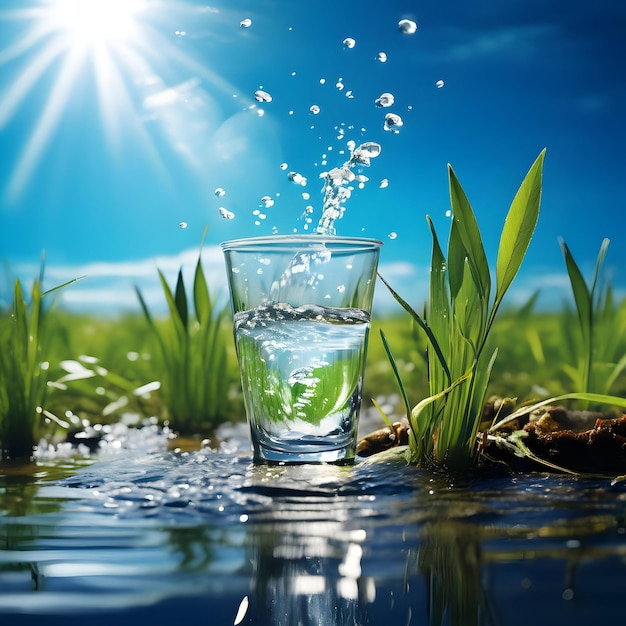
157 536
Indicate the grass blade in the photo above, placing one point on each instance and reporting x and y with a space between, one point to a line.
519 227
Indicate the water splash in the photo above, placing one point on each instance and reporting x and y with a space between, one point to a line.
338 185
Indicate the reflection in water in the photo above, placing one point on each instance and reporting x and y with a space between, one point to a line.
207 534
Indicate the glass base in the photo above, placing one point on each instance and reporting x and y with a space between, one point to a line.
267 456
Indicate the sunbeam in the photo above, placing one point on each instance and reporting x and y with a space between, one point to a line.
123 48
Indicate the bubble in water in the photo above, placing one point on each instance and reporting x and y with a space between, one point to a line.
262 96
314 109
340 85
392 235
180 33
283 166
226 214
267 201
407 27
382 57
306 196
341 288
384 183
348 42
297 179
182 225
349 94
245 23
448 213
384 100
219 192
439 84
393 122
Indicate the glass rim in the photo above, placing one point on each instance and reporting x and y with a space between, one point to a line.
298 241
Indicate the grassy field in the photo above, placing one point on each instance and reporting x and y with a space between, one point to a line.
101 367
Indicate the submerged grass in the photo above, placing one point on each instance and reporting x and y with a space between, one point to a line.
458 321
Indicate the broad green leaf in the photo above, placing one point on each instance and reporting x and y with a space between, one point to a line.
519 227
464 219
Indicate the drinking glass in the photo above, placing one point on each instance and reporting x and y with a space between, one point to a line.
301 306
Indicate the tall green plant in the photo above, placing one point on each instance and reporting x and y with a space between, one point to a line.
193 367
597 361
23 370
458 320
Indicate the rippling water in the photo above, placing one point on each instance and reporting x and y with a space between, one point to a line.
159 536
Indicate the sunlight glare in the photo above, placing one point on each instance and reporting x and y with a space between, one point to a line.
94 22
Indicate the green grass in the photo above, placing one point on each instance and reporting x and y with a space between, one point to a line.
458 321
24 341
597 358
192 363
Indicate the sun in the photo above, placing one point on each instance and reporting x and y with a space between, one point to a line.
127 48
95 22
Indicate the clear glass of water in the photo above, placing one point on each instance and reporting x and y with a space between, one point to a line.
301 307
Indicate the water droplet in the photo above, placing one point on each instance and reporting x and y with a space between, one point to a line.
348 42
297 179
366 151
340 86
439 84
245 23
262 96
448 213
267 201
306 196
382 57
393 122
407 27
322 81
314 109
260 112
219 192
283 166
180 33
182 225
384 183
349 94
265 261
341 288
392 235
384 100
226 214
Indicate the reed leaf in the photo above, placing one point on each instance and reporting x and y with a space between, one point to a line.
445 424
519 227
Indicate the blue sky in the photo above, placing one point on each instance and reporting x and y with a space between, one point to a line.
115 127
